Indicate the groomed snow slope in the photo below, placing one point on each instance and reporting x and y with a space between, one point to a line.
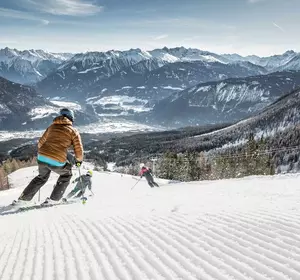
231 229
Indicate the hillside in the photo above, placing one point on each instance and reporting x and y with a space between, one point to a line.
227 100
22 108
29 66
275 118
233 229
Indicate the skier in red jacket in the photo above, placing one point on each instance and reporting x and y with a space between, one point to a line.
147 172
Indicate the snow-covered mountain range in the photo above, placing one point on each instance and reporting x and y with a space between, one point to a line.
29 66
142 74
289 60
21 108
282 116
226 100
127 83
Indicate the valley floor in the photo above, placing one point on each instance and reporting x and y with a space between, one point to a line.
230 229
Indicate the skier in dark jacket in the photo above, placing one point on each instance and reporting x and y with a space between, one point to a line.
147 172
83 182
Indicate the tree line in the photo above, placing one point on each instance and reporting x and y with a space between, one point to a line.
10 165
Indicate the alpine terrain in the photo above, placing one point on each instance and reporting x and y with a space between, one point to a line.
228 100
21 107
29 66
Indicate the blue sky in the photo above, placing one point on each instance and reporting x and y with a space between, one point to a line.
261 27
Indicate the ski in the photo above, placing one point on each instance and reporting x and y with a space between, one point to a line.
12 209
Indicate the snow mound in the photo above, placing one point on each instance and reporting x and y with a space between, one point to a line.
227 229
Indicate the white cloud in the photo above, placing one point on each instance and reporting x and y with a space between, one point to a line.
64 7
9 13
277 26
160 37
45 22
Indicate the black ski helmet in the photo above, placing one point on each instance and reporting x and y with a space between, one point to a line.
67 113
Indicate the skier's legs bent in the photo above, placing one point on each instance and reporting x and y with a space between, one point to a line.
36 183
74 191
149 182
63 181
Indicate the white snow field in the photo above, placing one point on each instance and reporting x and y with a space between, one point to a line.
228 229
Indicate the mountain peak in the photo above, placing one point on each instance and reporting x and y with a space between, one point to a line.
290 52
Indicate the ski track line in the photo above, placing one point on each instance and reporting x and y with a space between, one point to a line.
261 247
291 216
255 251
111 250
266 232
252 259
70 264
234 257
147 254
39 254
255 236
28 265
140 269
278 226
172 257
265 240
77 253
185 250
89 251
204 251
12 256
284 220
97 245
49 267
166 262
59 257
20 262
7 243
269 231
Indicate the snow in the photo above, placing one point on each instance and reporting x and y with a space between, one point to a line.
227 229
88 70
67 104
204 89
111 166
122 102
4 109
109 126
42 112
172 88
103 126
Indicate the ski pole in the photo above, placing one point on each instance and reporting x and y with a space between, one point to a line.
136 183
81 184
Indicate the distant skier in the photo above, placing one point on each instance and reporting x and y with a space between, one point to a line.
52 156
147 172
83 182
